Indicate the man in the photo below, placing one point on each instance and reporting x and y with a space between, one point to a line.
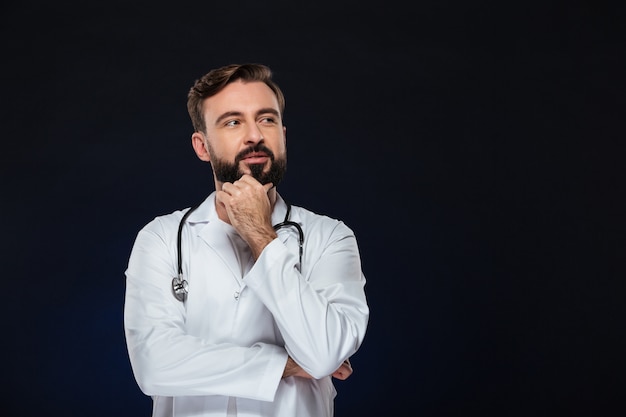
266 304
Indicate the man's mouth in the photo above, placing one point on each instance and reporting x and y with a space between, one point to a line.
255 158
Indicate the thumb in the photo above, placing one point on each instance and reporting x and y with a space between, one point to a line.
268 186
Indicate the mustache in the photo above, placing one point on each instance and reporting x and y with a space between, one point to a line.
259 147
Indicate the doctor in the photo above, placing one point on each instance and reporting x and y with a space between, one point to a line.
259 329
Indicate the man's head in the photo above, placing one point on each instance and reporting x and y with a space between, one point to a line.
236 112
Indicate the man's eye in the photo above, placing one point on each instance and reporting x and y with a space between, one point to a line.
268 120
232 123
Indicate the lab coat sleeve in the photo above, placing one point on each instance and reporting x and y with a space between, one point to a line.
165 360
322 313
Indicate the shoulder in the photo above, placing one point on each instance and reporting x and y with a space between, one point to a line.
319 223
164 225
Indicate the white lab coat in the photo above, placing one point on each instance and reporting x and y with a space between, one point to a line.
230 339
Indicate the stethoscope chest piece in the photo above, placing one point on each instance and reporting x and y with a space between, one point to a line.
180 288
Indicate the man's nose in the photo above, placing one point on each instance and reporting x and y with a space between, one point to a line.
254 134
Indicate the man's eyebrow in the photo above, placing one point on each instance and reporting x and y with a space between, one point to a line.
264 110
269 110
227 115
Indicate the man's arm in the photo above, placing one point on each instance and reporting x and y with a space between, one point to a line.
330 302
165 358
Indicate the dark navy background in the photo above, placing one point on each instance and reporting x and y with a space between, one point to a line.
476 149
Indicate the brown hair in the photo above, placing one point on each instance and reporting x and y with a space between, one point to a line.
215 80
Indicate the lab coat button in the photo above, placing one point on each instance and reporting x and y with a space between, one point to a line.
236 295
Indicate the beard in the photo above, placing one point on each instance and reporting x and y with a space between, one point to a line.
229 172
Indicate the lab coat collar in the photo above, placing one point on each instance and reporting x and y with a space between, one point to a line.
206 211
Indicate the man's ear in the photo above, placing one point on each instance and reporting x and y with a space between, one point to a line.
285 135
199 146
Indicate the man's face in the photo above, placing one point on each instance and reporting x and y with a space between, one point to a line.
245 134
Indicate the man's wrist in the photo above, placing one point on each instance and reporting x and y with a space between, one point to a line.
259 242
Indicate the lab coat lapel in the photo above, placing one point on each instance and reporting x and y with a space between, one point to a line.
215 233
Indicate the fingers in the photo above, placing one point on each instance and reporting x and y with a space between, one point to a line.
246 180
341 375
344 371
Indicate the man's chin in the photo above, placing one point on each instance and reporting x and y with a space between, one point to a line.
256 170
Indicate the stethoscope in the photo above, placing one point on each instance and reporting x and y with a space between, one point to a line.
180 287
